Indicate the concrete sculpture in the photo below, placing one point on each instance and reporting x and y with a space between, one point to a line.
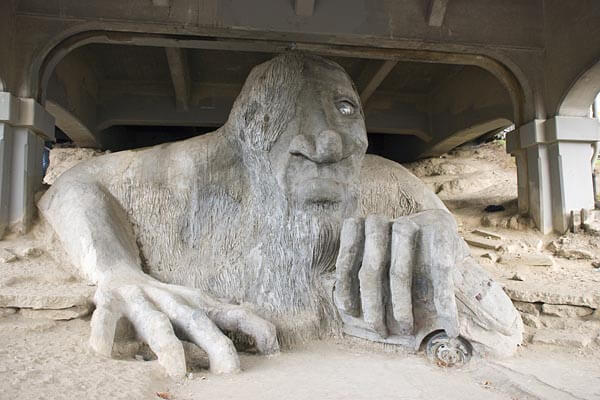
278 227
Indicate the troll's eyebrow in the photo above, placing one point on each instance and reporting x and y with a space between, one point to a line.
343 93
351 97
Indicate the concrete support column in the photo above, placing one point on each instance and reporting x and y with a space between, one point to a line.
5 169
513 147
554 155
24 126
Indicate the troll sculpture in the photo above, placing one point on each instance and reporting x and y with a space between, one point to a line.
276 226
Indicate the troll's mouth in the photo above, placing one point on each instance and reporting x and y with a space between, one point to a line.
321 194
322 206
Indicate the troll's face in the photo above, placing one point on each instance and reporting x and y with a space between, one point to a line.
303 121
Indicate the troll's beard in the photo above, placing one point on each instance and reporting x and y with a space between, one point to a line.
292 260
295 255
293 247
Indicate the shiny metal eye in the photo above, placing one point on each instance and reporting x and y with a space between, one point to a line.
345 107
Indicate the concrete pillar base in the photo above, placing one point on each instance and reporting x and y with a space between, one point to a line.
24 126
554 167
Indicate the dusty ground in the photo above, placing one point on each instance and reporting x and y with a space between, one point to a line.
470 178
41 359
358 371
44 319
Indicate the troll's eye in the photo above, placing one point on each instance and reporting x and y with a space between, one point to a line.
345 107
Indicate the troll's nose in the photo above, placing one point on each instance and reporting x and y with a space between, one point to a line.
326 148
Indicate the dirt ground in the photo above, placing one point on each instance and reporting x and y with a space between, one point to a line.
42 359
44 318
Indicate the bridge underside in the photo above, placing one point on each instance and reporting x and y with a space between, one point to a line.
412 109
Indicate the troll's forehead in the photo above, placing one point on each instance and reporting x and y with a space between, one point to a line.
268 99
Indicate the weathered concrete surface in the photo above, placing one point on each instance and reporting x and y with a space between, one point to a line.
252 213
